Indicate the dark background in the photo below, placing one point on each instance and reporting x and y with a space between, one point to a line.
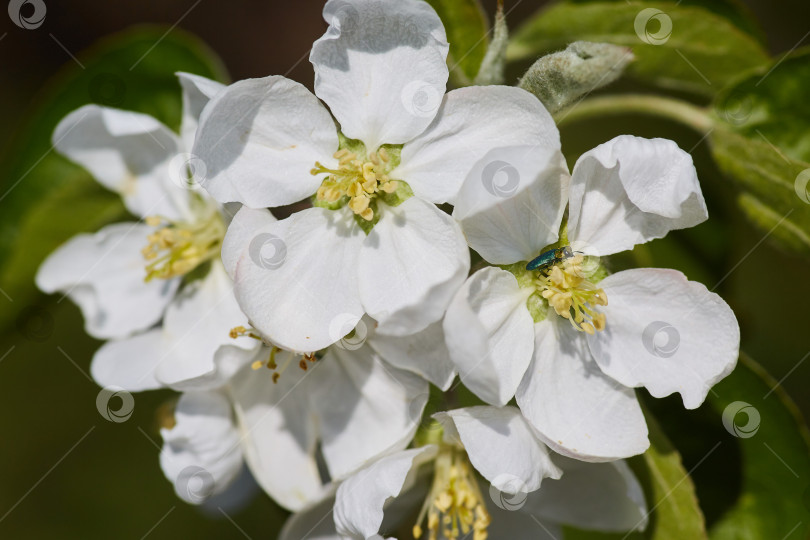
65 472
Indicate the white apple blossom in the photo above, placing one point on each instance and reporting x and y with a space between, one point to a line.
375 243
566 340
438 484
128 277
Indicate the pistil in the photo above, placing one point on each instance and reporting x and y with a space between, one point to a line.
454 506
178 247
358 179
567 289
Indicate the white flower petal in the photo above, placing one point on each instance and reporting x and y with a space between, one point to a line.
200 352
410 265
501 446
511 204
129 363
312 523
197 92
128 153
631 190
299 276
241 231
470 122
259 139
381 68
360 499
104 274
578 411
666 333
509 520
364 408
201 454
424 353
278 432
592 496
490 334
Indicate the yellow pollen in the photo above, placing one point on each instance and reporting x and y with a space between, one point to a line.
454 506
176 248
572 295
358 179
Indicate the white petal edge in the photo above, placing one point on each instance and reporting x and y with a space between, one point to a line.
260 138
361 498
104 274
471 122
197 92
666 333
298 278
501 446
490 334
410 266
577 410
364 408
241 231
511 204
380 67
127 152
631 190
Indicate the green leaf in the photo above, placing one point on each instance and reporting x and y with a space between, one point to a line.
774 188
775 457
770 104
670 493
701 52
467 30
46 199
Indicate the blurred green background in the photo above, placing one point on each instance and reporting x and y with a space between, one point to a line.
65 472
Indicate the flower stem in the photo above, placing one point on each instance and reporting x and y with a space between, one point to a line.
697 118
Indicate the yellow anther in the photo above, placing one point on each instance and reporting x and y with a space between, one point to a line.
572 296
359 179
454 506
179 247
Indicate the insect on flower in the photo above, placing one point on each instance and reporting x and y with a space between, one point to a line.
547 258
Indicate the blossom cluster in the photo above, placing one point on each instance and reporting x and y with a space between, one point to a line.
313 348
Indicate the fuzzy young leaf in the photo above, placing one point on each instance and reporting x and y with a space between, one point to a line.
562 78
494 63
683 47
